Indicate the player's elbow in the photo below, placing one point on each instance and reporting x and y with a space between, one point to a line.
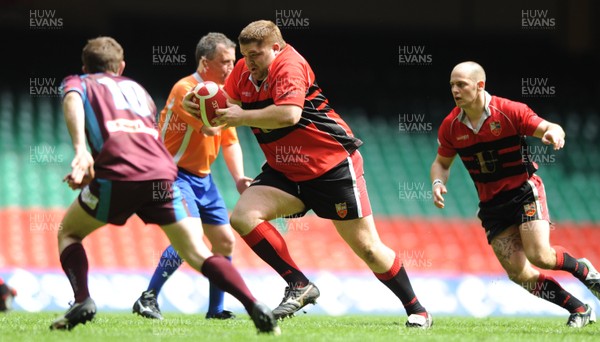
292 116
289 121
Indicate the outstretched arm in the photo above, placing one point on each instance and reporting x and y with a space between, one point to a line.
440 171
551 134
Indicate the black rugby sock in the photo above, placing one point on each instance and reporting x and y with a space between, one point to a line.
565 262
549 289
397 280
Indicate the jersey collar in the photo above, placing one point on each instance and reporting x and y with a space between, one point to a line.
462 116
259 84
197 77
255 83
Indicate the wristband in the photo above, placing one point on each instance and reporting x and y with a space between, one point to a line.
436 182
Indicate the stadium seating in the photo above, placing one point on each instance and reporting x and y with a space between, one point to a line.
395 162
397 172
450 245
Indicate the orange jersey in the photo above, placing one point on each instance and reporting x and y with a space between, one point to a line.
181 132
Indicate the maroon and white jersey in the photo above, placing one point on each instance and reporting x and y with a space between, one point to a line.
120 128
494 153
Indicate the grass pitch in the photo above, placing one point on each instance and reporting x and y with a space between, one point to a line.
21 326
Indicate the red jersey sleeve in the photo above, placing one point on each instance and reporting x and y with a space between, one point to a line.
289 81
528 120
445 148
233 80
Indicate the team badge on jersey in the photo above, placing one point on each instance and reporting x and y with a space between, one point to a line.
496 128
342 209
529 209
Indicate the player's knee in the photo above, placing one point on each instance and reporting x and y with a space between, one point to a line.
61 235
518 277
367 254
193 257
237 221
223 247
243 221
542 258
522 276
66 233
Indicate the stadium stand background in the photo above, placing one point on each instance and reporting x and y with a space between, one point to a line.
355 54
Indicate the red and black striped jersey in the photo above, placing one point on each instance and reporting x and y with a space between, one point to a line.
494 153
318 142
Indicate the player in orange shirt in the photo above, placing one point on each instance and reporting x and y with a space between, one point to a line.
194 148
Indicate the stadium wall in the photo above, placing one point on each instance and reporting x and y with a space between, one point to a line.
452 268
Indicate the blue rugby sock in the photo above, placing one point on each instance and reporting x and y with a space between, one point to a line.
168 264
216 297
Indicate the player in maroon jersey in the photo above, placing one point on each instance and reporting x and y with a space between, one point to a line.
129 171
312 163
488 133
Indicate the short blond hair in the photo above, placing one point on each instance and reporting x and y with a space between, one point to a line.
261 31
102 54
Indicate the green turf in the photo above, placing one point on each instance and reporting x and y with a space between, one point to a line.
18 326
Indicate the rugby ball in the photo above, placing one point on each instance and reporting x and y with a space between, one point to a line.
210 97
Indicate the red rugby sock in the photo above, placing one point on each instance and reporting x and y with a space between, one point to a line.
270 246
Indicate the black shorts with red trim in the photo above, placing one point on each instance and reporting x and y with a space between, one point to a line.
514 207
157 201
339 194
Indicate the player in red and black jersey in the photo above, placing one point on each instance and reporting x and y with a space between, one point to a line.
312 163
488 134
7 294
128 172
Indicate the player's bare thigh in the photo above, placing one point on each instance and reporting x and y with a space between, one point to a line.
262 203
508 248
535 236
221 238
76 225
361 235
